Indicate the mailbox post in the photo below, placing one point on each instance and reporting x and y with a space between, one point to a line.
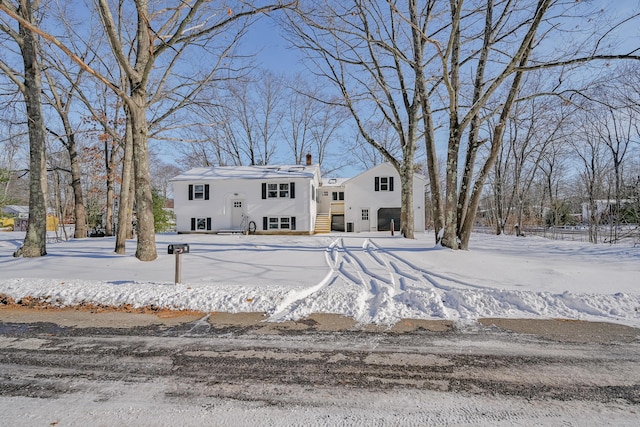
178 249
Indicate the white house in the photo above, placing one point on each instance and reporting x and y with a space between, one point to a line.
261 199
373 198
290 200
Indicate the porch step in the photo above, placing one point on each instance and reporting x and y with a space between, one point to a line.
323 224
230 231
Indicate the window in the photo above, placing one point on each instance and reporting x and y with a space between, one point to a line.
285 224
284 190
237 204
273 190
365 214
278 190
200 224
338 195
198 191
279 223
383 183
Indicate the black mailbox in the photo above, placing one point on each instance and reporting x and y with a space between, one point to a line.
178 248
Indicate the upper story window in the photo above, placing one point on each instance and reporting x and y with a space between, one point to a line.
283 190
278 190
198 191
273 190
337 195
383 183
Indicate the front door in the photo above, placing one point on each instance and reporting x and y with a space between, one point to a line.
364 220
237 212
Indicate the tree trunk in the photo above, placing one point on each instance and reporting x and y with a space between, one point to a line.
406 196
79 211
108 218
125 208
145 228
35 240
450 237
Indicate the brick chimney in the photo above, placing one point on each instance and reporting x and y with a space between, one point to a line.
309 159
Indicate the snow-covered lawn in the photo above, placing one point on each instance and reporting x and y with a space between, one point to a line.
372 277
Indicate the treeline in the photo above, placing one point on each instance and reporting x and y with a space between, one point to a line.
513 109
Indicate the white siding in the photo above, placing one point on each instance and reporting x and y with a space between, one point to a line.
223 192
361 194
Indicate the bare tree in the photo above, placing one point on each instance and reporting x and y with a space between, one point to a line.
591 170
496 43
373 58
161 38
61 100
254 111
29 83
615 128
533 126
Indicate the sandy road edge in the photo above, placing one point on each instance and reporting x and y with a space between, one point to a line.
92 316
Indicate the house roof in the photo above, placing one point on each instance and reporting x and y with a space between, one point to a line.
248 172
15 209
334 182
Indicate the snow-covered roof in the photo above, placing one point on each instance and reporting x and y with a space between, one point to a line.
334 182
15 209
248 172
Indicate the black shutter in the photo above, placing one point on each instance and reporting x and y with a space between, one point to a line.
390 183
264 191
206 191
293 222
209 224
191 192
377 183
265 222
193 224
292 190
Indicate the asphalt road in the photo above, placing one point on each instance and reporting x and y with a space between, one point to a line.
72 368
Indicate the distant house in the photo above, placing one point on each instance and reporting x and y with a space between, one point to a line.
290 200
20 218
16 211
604 209
261 199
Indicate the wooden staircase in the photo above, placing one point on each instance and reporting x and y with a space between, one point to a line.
323 224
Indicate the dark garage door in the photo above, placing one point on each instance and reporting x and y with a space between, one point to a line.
385 215
337 222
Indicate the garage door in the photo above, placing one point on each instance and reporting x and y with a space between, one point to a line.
385 215
337 222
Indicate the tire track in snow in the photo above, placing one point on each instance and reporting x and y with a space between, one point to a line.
377 280
415 291
389 287
295 299
428 275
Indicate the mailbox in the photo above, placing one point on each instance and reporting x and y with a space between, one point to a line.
178 248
